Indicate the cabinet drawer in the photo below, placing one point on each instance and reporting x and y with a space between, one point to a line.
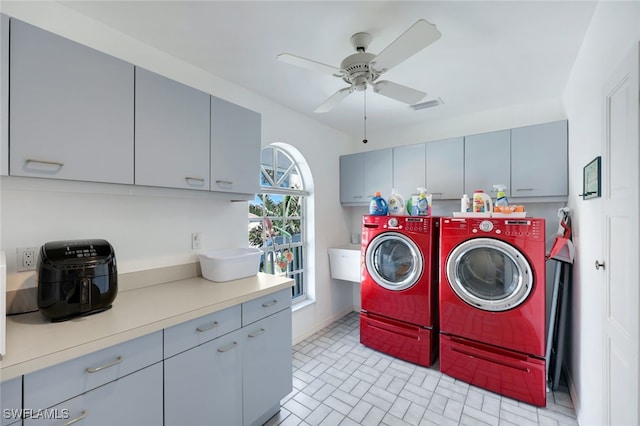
135 399
192 333
52 385
262 307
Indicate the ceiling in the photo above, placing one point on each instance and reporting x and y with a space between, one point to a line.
491 54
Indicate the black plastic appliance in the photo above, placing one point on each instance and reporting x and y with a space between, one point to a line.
76 278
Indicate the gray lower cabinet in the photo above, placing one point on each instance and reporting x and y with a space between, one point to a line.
267 363
11 401
203 385
71 109
171 133
235 147
445 168
487 161
231 367
539 160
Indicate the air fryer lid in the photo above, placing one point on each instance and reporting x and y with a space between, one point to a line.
78 253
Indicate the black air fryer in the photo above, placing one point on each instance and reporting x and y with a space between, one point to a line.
76 278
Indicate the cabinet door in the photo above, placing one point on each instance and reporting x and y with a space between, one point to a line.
378 173
11 400
539 160
445 168
409 169
235 148
135 399
71 109
352 178
204 384
172 133
487 161
267 374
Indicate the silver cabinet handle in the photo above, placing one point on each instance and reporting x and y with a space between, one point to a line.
269 304
228 347
76 419
50 163
257 333
599 265
357 196
208 327
524 189
226 182
196 180
102 367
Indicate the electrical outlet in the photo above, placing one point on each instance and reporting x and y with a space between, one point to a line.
196 241
26 258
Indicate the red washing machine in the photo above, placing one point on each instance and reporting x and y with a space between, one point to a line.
399 286
492 305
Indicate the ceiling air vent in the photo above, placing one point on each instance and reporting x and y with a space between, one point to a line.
427 104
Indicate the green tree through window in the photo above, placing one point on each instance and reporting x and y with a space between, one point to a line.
276 218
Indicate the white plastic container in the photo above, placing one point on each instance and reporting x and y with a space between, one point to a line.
230 264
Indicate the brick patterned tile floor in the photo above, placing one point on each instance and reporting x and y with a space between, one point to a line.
338 381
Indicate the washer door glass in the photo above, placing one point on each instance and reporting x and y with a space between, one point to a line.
489 274
394 261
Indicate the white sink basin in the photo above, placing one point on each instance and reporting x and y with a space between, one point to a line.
345 263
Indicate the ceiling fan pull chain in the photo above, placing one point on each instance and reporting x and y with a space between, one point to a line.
364 140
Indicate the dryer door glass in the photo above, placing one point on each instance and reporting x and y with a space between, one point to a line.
394 261
489 274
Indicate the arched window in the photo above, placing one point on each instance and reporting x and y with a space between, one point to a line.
277 217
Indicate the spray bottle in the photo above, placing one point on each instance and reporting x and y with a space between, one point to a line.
501 196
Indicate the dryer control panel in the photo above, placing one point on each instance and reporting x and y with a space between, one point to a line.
531 228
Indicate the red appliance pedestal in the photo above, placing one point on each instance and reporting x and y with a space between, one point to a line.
508 373
409 342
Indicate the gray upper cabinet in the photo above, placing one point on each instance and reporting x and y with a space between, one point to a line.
71 109
409 169
445 168
235 148
378 173
171 133
539 160
352 178
487 161
363 174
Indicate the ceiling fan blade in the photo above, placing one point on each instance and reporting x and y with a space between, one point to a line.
417 37
398 92
334 100
308 63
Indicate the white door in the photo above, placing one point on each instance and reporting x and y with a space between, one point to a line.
620 214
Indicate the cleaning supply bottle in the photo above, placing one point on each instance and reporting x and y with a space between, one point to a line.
465 204
396 204
501 196
423 204
378 206
482 203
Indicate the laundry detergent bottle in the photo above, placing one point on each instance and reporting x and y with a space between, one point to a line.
501 196
378 206
396 204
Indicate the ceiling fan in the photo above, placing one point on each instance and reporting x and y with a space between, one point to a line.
362 68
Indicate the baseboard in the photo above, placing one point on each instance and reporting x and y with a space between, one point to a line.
572 391
323 325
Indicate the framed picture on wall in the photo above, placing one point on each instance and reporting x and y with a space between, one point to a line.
591 179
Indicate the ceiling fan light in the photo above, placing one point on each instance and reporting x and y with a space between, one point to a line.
427 104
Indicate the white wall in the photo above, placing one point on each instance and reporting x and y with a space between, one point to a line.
613 30
152 227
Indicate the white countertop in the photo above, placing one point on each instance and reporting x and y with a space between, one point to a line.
33 342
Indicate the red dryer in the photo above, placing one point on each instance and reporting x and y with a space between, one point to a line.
493 305
399 286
